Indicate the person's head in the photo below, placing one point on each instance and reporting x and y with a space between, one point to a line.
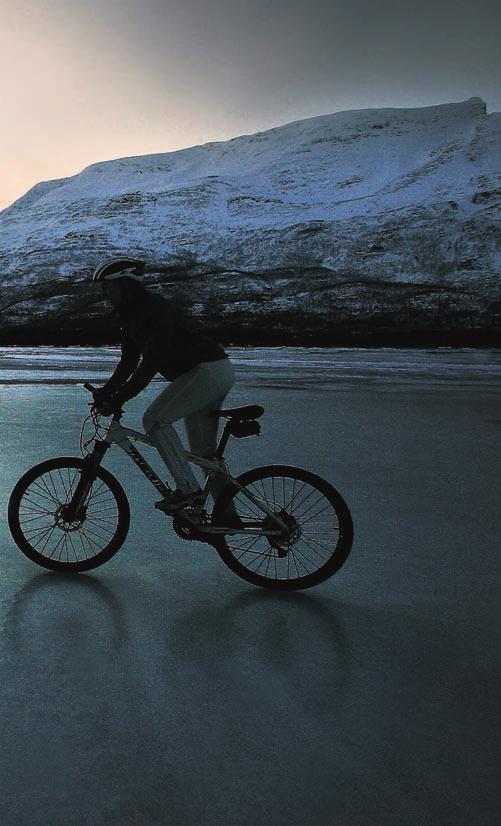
120 280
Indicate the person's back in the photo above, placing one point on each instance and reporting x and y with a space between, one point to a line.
164 333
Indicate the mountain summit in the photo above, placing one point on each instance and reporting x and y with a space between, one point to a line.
361 225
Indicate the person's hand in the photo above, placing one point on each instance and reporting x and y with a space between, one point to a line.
100 395
108 405
105 408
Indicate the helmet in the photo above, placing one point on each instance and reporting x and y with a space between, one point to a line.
119 268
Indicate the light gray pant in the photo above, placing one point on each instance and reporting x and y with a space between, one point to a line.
192 397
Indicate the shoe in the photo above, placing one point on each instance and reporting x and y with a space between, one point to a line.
179 499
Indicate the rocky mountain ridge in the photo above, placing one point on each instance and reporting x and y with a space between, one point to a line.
364 226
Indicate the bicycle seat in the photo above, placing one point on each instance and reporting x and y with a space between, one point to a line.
242 414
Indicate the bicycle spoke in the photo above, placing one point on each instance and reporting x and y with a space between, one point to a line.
39 509
33 532
63 546
320 544
71 481
91 543
51 556
42 493
82 544
301 502
265 558
49 534
295 563
294 552
247 549
54 489
61 477
46 533
34 518
102 510
305 542
70 540
295 494
97 526
314 515
88 531
288 507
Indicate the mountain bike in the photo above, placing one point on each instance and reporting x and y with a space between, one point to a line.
276 526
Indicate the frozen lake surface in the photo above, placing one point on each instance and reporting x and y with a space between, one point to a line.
161 689
273 366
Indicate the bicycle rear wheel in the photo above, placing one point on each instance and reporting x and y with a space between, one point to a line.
319 535
37 523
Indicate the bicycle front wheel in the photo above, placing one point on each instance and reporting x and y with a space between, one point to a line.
319 531
37 516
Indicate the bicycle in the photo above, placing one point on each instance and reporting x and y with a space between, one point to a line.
288 529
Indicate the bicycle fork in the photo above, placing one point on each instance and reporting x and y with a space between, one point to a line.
73 509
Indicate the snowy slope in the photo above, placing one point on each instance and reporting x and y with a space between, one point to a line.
376 218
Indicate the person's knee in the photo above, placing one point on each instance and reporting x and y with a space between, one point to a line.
152 421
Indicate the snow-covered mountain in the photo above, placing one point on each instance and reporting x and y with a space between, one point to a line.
380 222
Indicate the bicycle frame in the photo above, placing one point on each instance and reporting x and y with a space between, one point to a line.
124 436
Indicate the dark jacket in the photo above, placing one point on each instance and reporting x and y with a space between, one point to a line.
156 338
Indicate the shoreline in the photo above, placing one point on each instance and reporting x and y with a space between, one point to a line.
398 340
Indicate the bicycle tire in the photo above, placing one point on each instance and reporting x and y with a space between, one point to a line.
284 478
38 496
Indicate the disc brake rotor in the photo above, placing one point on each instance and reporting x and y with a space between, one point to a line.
283 541
61 520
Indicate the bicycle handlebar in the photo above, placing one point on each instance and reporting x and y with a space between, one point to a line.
118 412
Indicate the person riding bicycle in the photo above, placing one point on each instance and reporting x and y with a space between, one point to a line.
157 338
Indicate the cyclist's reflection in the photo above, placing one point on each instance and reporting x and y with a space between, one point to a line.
295 634
83 611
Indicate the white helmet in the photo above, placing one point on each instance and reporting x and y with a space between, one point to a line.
119 268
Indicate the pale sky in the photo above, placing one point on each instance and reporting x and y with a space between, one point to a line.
90 80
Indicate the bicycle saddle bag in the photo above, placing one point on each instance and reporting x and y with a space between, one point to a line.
244 428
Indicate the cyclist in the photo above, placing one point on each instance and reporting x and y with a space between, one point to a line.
156 338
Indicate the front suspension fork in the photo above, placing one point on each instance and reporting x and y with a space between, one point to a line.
88 475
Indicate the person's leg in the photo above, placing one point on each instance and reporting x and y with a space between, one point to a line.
166 408
190 392
202 430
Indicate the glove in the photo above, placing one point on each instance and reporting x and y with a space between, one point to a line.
104 409
108 405
100 395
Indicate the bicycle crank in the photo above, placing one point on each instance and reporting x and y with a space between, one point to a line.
187 525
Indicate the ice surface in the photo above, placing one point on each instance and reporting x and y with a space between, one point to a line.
278 366
161 689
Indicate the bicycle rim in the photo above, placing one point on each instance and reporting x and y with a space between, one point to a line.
38 526
320 532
